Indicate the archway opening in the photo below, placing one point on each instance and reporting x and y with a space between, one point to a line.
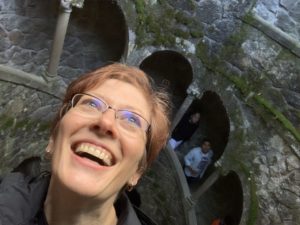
214 123
170 70
102 30
223 199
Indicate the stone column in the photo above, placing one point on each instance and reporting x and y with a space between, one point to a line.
188 203
206 185
59 36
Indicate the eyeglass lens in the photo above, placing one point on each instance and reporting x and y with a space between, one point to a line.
90 105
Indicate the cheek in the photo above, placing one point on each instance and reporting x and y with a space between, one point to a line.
134 148
63 131
70 123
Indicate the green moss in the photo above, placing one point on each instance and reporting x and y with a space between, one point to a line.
278 115
240 83
182 18
248 18
283 55
21 123
6 122
166 40
141 17
140 7
192 5
158 24
232 46
14 125
162 2
45 126
181 33
254 206
202 52
247 89
196 33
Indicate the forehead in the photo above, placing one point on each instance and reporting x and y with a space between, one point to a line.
206 143
196 115
121 94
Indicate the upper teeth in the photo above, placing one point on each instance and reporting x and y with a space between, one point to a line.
96 151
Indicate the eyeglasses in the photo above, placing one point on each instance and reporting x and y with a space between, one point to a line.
91 106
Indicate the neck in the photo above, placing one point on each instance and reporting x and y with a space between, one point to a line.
66 207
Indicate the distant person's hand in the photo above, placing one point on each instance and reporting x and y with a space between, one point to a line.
193 171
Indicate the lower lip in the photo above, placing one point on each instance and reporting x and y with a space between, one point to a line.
88 163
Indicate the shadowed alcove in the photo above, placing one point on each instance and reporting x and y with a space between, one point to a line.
103 31
223 198
171 70
214 122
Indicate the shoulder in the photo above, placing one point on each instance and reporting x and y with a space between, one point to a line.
130 215
144 219
21 197
196 150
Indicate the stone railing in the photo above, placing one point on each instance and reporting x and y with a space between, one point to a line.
32 81
273 32
188 203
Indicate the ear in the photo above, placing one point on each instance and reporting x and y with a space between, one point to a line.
141 169
134 179
49 147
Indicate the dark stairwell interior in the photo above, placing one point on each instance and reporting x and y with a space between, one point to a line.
170 70
104 23
223 199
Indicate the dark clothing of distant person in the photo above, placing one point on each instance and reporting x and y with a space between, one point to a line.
185 129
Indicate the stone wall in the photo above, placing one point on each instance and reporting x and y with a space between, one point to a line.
27 31
283 14
257 76
25 117
258 79
232 53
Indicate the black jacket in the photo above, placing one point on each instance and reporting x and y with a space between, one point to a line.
185 129
22 199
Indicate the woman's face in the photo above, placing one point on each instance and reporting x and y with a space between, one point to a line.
82 140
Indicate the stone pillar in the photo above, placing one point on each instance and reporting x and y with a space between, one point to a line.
59 36
188 203
206 185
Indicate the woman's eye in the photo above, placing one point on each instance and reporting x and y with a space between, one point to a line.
91 103
133 119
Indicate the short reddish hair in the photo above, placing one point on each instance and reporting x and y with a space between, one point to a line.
158 101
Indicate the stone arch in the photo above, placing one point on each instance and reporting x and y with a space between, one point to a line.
171 70
105 24
223 198
214 122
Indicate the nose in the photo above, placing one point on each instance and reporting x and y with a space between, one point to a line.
106 124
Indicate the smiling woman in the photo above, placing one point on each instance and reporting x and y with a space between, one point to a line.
111 126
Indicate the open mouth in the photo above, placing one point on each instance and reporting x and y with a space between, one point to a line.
94 153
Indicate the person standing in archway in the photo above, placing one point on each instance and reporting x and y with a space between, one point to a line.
185 129
197 161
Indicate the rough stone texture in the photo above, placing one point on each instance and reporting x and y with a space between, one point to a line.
159 207
241 64
282 13
27 31
25 122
